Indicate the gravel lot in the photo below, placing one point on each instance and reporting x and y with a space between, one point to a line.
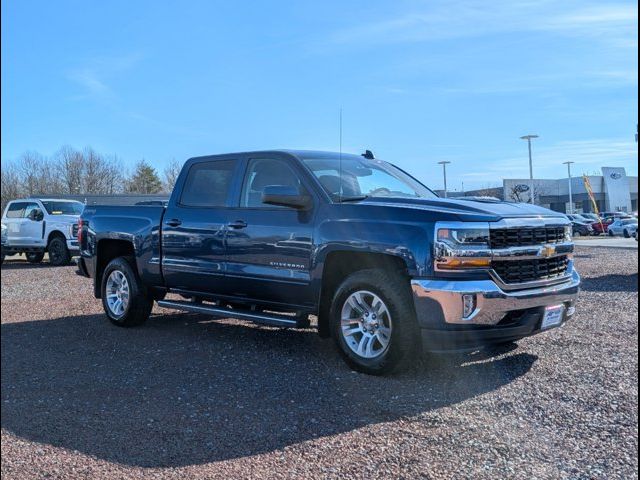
184 396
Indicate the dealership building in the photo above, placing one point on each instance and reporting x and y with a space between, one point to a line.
614 191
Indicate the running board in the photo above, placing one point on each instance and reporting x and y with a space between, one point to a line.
258 317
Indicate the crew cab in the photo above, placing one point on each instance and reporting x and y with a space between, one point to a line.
379 261
35 226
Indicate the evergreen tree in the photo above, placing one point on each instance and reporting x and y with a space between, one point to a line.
145 179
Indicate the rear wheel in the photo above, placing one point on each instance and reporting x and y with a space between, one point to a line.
58 252
627 234
124 298
373 322
611 233
35 257
577 234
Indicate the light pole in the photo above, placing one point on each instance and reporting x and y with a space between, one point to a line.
568 164
444 164
528 139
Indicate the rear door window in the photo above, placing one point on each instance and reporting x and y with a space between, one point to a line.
208 184
16 209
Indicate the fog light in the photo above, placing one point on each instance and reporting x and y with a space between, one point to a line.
468 305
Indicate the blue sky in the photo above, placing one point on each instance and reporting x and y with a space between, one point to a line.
418 81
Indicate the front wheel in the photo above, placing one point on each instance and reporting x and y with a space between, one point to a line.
611 233
576 234
35 257
373 322
58 252
124 298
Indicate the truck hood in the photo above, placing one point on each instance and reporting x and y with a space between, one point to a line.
494 209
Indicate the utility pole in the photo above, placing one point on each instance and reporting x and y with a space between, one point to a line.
444 173
568 164
531 187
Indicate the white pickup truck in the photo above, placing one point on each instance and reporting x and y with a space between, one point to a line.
36 226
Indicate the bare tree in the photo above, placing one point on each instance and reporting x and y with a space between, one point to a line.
171 175
69 164
11 184
30 165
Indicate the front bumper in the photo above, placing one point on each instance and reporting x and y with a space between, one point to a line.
72 244
499 316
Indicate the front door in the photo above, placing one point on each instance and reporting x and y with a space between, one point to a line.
195 225
269 247
31 230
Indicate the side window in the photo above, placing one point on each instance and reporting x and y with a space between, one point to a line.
208 184
16 209
262 172
28 208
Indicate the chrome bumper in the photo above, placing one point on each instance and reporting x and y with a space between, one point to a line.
442 300
72 244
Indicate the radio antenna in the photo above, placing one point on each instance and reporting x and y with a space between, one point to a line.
340 157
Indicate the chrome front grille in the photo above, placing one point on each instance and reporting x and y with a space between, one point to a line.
531 270
526 236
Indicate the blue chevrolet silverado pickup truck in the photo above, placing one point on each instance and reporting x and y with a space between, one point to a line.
386 266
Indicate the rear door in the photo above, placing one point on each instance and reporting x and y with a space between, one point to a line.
269 247
195 224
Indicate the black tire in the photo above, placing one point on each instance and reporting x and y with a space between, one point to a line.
34 257
58 252
2 260
611 233
139 304
626 234
404 341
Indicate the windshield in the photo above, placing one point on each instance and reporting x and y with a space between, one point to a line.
364 177
62 208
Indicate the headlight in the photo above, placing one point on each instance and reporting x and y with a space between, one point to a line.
464 236
460 248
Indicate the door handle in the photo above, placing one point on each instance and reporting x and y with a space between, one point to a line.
238 224
174 222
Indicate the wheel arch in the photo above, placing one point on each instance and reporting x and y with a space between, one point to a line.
56 233
338 265
107 249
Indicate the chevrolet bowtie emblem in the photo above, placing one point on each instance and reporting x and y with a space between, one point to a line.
548 251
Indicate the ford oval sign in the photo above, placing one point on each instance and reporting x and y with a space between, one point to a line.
616 175
521 188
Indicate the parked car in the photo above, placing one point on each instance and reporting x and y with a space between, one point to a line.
626 227
598 227
384 264
37 226
591 216
581 227
616 215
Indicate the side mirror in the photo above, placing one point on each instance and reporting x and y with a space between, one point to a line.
36 215
286 196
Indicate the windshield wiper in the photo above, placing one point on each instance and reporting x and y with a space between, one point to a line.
352 198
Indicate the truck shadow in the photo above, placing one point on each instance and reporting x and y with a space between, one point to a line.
185 390
613 282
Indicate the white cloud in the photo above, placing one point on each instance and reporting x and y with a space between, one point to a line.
94 75
588 155
463 18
